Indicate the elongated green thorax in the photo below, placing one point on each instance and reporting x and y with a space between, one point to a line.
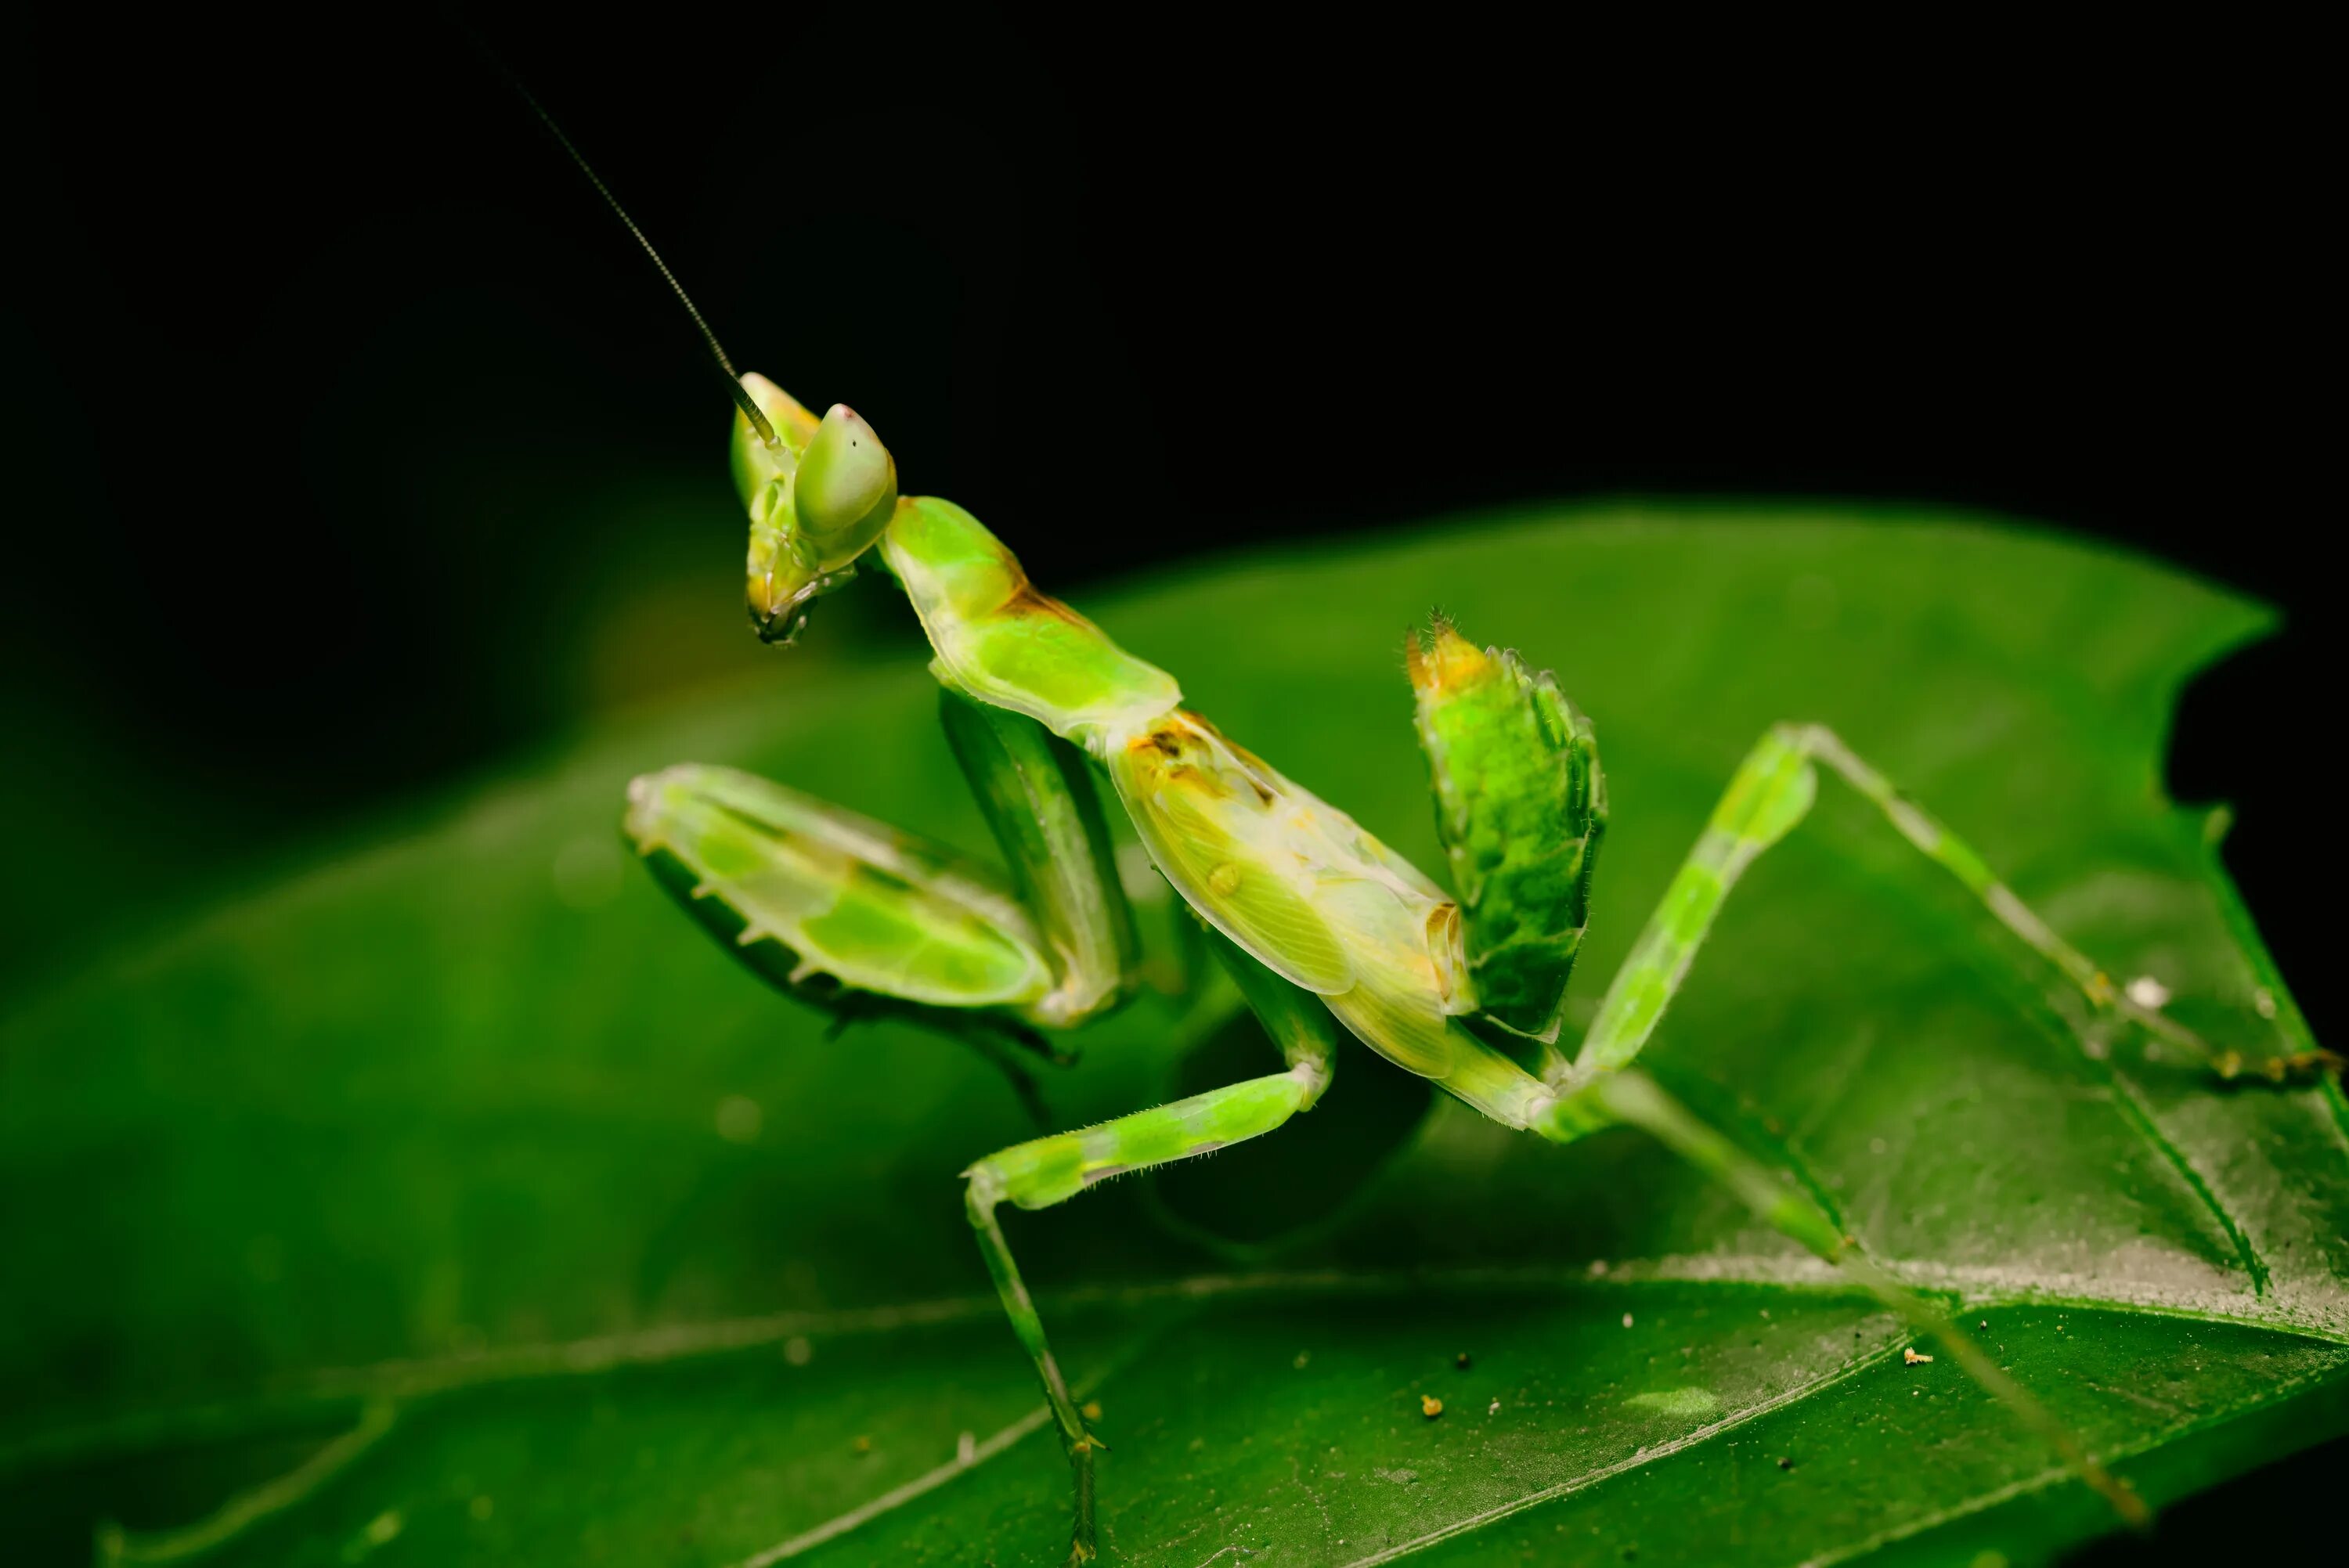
1521 804
1008 644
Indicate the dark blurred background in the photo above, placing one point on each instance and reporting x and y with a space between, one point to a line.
358 454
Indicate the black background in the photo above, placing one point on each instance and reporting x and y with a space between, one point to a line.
322 355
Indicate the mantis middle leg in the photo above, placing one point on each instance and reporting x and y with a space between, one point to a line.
1049 1170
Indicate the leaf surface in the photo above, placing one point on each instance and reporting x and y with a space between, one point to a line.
471 1137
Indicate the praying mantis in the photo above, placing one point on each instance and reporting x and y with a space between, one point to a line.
1322 927
1325 931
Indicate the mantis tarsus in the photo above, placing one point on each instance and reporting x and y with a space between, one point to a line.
1322 927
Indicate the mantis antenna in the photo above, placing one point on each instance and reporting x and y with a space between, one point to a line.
742 399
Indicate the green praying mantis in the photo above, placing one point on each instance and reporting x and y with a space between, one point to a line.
1325 931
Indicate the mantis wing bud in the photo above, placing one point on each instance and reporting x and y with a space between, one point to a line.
1295 883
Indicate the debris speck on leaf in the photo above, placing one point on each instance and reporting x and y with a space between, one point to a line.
1430 1405
1627 1320
1910 1357
2147 991
1461 1361
1494 1408
1785 1462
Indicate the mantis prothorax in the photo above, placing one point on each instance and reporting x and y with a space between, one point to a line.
1322 927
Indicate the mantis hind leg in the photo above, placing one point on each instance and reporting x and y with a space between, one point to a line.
1770 794
1937 843
1049 1170
1630 1098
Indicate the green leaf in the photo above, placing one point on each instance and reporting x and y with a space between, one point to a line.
459 1202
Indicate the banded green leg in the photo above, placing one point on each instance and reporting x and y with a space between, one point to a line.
1923 828
1771 792
1048 1171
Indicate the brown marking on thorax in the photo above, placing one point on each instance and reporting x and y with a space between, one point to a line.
1250 764
1025 602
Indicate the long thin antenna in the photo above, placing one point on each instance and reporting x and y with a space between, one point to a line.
742 399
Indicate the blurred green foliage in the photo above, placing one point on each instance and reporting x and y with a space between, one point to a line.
469 1126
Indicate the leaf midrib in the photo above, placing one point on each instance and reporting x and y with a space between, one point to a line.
430 1377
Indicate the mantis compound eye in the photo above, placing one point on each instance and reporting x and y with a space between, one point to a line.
846 491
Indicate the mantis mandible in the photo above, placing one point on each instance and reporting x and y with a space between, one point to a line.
1325 930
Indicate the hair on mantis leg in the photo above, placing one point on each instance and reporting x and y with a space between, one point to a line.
1322 925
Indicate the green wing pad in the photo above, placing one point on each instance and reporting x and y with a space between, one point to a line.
1240 849
1009 645
1299 886
818 898
1521 803
1405 1025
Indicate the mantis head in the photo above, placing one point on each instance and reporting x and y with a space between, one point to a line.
819 492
